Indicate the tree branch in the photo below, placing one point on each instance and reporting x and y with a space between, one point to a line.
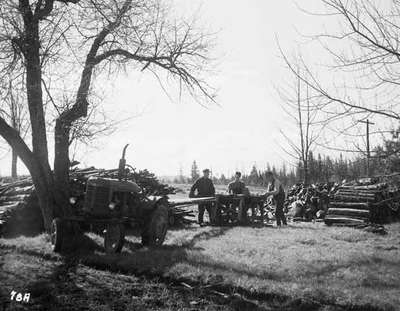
13 138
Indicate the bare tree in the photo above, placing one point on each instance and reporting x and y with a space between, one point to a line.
363 75
52 40
367 49
296 100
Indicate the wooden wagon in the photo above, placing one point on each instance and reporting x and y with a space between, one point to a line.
230 209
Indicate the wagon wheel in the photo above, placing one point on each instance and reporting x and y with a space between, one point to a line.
57 234
156 228
114 236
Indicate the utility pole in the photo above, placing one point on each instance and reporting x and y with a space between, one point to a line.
368 149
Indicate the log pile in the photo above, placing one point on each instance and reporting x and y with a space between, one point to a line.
19 209
305 203
360 204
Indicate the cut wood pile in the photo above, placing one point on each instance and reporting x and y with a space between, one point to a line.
19 203
306 203
363 203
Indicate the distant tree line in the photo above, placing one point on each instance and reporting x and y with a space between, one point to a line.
385 159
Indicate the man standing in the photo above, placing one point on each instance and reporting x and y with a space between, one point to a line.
237 186
275 189
205 188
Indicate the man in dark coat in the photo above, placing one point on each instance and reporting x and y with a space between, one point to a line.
237 186
205 188
275 189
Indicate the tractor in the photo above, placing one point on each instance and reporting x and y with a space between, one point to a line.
113 205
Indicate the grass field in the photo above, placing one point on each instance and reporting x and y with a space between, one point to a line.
328 267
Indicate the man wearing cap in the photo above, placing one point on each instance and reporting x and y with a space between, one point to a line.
238 187
205 188
275 189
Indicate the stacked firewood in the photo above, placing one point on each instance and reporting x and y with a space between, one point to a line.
17 203
360 204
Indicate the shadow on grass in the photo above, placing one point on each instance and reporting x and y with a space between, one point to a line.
138 258
64 288
171 259
162 262
165 259
50 291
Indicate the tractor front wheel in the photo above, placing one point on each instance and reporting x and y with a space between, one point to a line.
156 227
114 237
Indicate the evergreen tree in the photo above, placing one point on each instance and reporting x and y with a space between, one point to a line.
194 172
328 169
312 169
222 180
254 176
215 180
320 166
341 168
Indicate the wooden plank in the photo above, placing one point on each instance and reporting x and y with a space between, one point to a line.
338 211
348 212
331 219
369 187
190 201
357 193
357 205
358 218
348 198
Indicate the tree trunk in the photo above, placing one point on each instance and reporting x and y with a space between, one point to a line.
305 167
46 200
14 160
61 165
40 170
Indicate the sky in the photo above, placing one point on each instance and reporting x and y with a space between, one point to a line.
167 133
244 128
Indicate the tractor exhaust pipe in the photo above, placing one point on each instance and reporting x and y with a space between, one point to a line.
122 164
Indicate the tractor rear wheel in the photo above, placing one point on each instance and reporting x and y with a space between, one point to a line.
156 228
114 236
